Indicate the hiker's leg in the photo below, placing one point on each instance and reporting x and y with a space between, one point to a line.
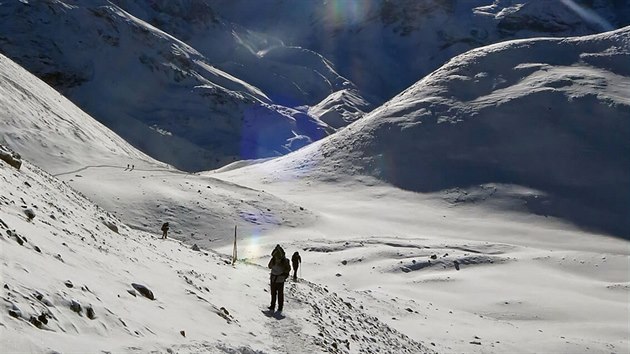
274 290
280 295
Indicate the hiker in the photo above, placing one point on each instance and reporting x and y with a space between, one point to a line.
164 230
296 260
280 271
127 167
132 167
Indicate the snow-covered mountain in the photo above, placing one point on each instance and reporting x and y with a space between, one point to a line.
384 46
550 115
199 84
51 131
162 95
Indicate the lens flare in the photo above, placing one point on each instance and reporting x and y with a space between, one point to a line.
588 15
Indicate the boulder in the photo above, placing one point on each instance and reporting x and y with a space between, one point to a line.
143 290
11 157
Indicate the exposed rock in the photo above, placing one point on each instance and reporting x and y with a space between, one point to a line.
90 312
68 284
35 321
132 292
75 306
110 225
183 333
30 214
11 157
43 318
143 290
344 262
433 256
195 247
37 249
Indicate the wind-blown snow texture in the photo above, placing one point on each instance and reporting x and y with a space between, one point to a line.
548 114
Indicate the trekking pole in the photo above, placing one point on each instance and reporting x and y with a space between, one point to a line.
234 252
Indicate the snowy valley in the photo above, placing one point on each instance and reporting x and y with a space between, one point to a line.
484 209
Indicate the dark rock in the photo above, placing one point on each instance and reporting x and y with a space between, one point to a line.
338 275
75 306
68 284
110 225
132 292
409 309
35 321
43 318
11 157
183 333
37 249
27 184
456 264
30 214
195 247
19 240
433 256
344 262
90 312
475 342
143 290
15 313
301 208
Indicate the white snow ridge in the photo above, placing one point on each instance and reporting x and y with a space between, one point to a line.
484 209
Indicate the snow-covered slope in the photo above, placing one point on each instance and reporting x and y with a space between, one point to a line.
45 126
161 94
75 279
384 46
547 114
341 108
51 131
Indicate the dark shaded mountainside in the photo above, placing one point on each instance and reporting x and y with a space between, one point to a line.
547 115
385 46
163 95
199 84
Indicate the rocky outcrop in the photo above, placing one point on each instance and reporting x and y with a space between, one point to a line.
11 157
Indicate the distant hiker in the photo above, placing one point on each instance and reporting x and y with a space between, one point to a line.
132 167
280 271
127 167
164 229
296 260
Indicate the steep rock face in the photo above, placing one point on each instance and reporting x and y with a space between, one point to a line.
384 46
549 114
153 89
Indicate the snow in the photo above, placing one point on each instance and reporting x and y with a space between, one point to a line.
171 98
391 262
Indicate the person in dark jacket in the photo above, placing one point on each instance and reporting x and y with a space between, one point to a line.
280 271
164 229
296 260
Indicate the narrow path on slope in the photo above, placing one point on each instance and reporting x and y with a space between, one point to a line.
120 167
